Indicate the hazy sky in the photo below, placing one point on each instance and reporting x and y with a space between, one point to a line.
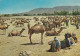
18 6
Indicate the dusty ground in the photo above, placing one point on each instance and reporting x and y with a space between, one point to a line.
12 46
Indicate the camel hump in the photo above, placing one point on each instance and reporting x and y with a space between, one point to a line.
14 31
38 25
37 28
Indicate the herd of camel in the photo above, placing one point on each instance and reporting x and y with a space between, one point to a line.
46 24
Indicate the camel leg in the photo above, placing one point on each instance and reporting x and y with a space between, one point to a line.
30 38
10 35
5 31
41 38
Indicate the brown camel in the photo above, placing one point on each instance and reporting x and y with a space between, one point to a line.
36 19
15 33
57 23
54 33
3 23
4 27
48 25
36 29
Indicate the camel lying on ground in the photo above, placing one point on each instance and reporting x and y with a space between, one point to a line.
54 33
15 32
36 29
25 21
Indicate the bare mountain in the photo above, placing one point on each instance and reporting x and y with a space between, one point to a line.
51 10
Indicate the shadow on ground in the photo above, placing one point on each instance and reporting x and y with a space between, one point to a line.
29 44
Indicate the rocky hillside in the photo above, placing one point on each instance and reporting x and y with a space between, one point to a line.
51 10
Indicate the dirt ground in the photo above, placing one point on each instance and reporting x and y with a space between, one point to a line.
12 46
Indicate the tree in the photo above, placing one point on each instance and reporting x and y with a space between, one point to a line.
39 14
25 14
63 13
56 13
44 14
15 15
75 13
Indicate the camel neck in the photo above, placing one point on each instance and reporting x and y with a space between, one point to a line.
59 30
21 31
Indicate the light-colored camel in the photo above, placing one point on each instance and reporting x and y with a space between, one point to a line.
19 22
54 33
4 27
25 21
15 32
36 29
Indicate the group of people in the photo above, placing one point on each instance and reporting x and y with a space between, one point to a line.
70 39
56 45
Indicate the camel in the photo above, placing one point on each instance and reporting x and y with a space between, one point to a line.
57 23
19 22
37 29
25 21
4 27
3 23
48 25
12 20
62 23
54 33
15 32
36 19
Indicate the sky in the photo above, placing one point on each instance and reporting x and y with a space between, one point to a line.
19 6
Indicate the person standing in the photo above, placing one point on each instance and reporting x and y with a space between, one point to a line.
67 23
76 23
